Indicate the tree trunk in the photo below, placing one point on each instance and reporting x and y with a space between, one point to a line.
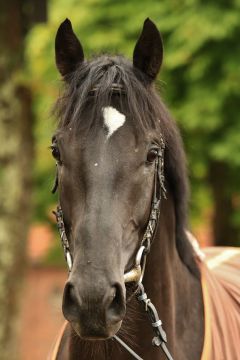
225 233
16 155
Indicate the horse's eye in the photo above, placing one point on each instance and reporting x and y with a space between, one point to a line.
152 154
55 152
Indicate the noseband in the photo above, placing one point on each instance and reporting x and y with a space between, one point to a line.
135 275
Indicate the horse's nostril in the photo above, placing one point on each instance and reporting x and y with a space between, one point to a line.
71 304
117 295
69 294
117 307
114 293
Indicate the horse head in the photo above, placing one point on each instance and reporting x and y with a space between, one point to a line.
106 146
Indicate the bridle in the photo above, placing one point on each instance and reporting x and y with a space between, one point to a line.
135 275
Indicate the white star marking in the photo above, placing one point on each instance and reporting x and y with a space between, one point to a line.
113 119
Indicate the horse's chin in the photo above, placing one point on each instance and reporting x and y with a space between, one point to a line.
96 334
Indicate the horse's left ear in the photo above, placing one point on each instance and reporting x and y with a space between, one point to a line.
68 49
148 52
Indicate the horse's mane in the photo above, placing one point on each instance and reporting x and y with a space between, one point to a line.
147 112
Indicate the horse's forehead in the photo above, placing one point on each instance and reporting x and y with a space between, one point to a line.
114 130
113 119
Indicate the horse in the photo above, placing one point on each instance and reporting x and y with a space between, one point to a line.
123 195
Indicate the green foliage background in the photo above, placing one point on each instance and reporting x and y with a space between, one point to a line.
199 80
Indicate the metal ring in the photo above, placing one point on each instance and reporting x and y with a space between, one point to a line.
143 268
69 260
139 255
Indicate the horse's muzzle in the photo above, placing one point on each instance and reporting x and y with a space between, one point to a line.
95 312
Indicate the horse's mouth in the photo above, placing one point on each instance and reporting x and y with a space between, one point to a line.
94 332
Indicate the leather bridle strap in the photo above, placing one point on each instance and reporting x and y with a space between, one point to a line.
160 338
64 240
137 272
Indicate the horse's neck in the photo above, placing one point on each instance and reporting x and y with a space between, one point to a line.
175 292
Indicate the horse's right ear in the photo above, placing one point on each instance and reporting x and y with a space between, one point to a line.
148 52
68 49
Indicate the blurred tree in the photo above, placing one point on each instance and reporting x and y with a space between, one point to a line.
203 69
16 155
200 82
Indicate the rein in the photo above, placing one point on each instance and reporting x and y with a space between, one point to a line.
136 274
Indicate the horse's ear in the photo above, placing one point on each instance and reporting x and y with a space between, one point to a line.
148 52
68 49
